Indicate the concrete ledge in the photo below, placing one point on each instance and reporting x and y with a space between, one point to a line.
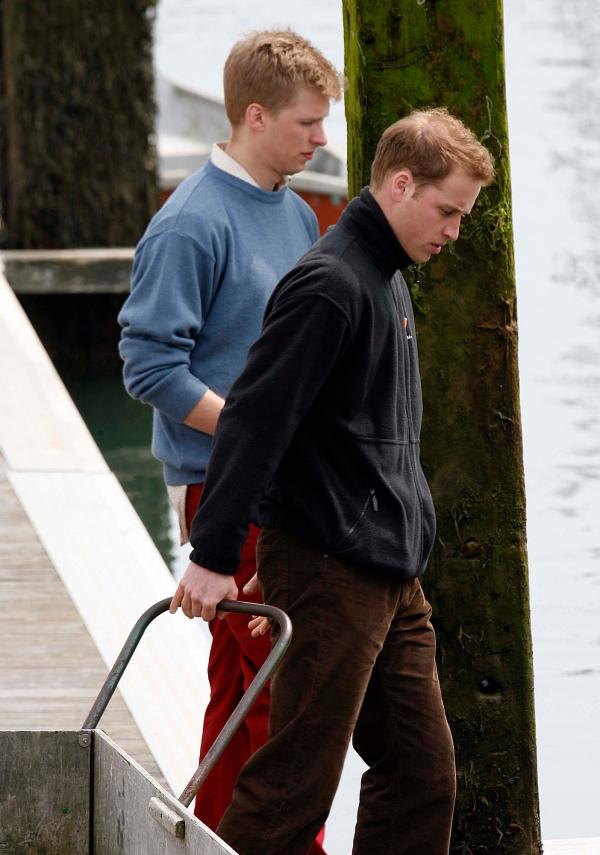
68 271
98 545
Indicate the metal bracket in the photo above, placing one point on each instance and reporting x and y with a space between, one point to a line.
167 817
85 738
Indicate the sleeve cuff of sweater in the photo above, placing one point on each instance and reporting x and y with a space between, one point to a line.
176 398
218 565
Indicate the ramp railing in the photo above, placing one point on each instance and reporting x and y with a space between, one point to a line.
277 616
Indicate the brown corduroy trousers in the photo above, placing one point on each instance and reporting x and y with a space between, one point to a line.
361 666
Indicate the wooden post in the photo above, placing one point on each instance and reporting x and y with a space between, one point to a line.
78 115
400 55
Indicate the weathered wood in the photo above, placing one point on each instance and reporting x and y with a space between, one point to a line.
50 669
54 800
83 271
122 820
44 793
400 55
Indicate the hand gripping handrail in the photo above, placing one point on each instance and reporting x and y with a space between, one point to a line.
266 671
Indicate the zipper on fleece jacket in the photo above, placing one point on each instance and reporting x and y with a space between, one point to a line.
412 442
370 500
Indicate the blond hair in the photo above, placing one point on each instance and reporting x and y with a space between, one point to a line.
431 143
267 67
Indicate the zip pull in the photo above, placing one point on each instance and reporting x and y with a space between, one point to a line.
415 272
374 501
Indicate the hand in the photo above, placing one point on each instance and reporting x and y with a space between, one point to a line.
258 625
200 590
252 586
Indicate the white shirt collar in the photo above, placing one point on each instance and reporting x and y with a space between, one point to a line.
226 162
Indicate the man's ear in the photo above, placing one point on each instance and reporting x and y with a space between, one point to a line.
401 184
255 117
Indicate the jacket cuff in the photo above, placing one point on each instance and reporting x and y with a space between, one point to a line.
217 565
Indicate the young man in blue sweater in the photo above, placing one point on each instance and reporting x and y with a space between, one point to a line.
202 274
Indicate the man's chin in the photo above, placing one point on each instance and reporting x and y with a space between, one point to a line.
293 170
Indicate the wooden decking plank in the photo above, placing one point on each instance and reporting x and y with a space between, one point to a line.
50 669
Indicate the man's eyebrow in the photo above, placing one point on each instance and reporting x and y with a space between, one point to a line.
455 208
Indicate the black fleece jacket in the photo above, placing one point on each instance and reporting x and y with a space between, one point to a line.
320 433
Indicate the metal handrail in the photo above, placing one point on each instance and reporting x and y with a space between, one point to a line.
265 672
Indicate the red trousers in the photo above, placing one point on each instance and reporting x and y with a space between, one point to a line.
234 659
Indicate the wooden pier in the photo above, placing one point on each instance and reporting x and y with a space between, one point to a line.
77 569
50 668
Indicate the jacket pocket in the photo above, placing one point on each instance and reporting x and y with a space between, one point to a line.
393 525
370 501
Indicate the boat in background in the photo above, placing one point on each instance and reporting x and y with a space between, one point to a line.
189 122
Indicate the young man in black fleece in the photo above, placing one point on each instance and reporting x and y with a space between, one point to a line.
319 443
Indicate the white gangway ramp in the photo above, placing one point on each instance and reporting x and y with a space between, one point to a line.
98 545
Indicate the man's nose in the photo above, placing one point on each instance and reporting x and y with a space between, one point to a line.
318 136
452 228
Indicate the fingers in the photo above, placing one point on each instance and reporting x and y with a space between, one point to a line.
205 605
207 611
251 585
177 598
259 626
199 606
231 593
200 590
186 604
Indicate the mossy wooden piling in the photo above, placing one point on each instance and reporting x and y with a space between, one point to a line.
400 55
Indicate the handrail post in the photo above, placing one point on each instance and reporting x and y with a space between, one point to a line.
254 689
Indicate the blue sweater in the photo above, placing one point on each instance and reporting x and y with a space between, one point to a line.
202 274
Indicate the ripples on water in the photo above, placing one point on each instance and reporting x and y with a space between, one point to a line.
553 59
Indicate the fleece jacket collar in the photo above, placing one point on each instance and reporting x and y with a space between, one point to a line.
367 222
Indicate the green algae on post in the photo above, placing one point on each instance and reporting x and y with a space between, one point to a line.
400 55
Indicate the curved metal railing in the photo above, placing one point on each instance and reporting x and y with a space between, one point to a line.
268 668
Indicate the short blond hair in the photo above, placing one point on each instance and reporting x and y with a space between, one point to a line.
431 143
268 66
